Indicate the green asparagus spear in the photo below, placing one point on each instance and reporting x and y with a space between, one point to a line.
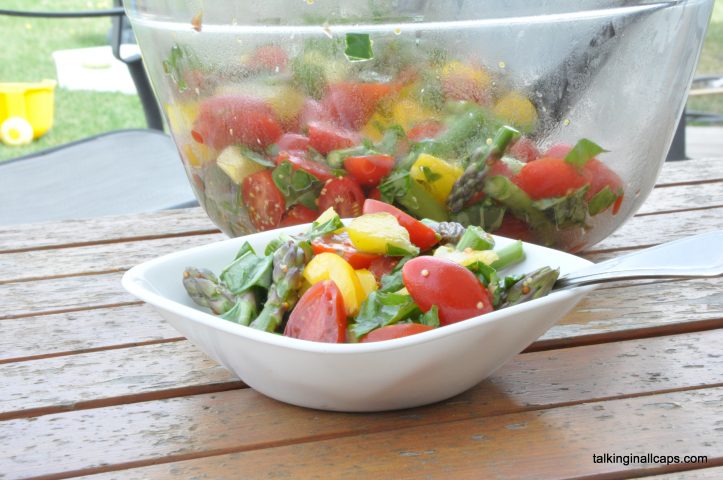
471 180
205 289
476 238
244 311
508 255
289 261
534 285
449 232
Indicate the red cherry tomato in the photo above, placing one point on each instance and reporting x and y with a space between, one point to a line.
515 228
344 194
421 235
394 331
600 176
299 161
313 111
498 167
340 243
375 193
264 201
559 150
460 87
292 141
351 105
230 119
269 58
319 315
454 289
297 215
382 266
324 137
525 150
549 177
369 170
425 130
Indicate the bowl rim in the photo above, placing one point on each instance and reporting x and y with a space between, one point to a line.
135 282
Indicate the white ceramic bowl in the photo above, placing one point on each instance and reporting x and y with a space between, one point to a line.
401 373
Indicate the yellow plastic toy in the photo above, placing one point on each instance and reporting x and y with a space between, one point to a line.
26 111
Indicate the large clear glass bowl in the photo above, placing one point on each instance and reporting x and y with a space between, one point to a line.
281 109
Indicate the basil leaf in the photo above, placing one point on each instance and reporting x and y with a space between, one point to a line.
297 186
245 248
272 246
430 317
321 229
381 309
242 313
396 185
256 157
392 281
429 175
358 47
389 142
601 201
583 151
566 211
395 251
247 271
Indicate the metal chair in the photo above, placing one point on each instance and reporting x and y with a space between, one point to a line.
119 172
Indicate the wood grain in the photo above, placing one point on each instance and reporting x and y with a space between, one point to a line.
714 473
201 425
683 197
693 171
55 384
555 443
100 258
74 332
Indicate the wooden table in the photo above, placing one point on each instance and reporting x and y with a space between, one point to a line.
94 383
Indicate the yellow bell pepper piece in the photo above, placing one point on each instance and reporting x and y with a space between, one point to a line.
367 280
466 257
380 233
436 175
181 115
286 103
375 127
518 110
330 266
463 70
197 154
408 113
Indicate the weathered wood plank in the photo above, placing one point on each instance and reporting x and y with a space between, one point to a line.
57 295
714 473
683 197
695 170
60 383
64 333
654 229
100 258
556 443
105 229
236 420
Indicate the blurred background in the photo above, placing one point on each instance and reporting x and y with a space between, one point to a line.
36 49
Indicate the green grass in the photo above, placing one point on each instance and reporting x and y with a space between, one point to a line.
27 46
26 56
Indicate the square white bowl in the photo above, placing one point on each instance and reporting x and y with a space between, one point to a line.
401 373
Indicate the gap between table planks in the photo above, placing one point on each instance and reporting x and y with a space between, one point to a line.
199 426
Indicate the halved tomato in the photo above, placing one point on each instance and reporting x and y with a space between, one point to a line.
300 161
369 170
549 177
297 215
394 331
264 201
324 137
425 130
344 194
292 141
319 315
229 119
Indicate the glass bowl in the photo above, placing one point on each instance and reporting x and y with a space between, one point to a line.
547 122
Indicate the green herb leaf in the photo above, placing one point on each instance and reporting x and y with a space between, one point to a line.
321 229
381 309
297 186
583 151
601 201
358 47
242 313
310 78
392 281
430 317
395 251
566 211
245 248
247 271
272 246
429 175
256 157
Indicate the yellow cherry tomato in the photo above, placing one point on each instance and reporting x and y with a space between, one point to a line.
518 110
367 280
330 266
436 175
